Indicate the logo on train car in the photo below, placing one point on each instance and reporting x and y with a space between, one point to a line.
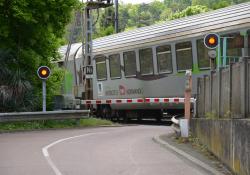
211 40
122 90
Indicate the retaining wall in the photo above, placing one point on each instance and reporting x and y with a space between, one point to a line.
228 139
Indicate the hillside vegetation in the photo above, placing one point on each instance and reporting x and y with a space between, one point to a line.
139 15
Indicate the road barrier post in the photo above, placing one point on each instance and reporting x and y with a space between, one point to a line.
184 123
188 90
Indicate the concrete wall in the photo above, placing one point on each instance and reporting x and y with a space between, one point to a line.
225 92
228 139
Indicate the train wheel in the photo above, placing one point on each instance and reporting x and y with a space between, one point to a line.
117 116
158 116
125 119
99 112
104 112
114 115
123 115
107 112
139 116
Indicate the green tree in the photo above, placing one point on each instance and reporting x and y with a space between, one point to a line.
138 15
133 15
105 22
156 8
166 14
123 16
13 85
191 10
177 5
215 4
220 4
31 33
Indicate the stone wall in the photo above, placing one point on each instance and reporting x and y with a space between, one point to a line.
228 139
225 92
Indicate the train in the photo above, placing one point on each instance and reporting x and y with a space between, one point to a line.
134 71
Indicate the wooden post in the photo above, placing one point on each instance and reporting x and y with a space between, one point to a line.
188 91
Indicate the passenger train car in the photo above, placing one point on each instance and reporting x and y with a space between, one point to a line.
150 62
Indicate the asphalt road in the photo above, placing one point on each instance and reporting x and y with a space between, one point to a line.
126 150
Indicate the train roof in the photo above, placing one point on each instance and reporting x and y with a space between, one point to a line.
229 18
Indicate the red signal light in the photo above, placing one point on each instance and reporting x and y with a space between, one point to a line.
43 72
211 40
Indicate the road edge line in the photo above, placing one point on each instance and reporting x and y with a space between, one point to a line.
46 155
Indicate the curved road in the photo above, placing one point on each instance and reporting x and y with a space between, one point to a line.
126 150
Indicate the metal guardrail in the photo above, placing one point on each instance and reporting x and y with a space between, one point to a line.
49 115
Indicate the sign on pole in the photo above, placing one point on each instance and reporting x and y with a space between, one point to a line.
89 70
43 73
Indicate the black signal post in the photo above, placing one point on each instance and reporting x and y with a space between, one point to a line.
43 73
90 5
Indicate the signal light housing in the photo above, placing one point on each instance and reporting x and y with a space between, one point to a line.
211 40
43 72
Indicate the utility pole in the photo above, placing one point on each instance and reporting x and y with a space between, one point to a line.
87 61
88 51
116 17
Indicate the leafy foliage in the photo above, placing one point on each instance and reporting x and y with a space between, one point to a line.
13 85
138 15
191 10
30 34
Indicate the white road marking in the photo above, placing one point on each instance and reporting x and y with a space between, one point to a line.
132 159
46 153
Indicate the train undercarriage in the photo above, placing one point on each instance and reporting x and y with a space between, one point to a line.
106 112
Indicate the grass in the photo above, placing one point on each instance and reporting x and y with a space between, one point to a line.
53 124
94 122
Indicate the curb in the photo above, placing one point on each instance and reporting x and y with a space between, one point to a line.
158 140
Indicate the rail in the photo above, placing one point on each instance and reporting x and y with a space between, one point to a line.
49 115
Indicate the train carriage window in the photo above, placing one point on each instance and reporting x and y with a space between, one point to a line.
129 63
235 43
202 53
184 56
115 66
146 61
164 59
101 70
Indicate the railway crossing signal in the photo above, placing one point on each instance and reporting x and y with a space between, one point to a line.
211 40
43 73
